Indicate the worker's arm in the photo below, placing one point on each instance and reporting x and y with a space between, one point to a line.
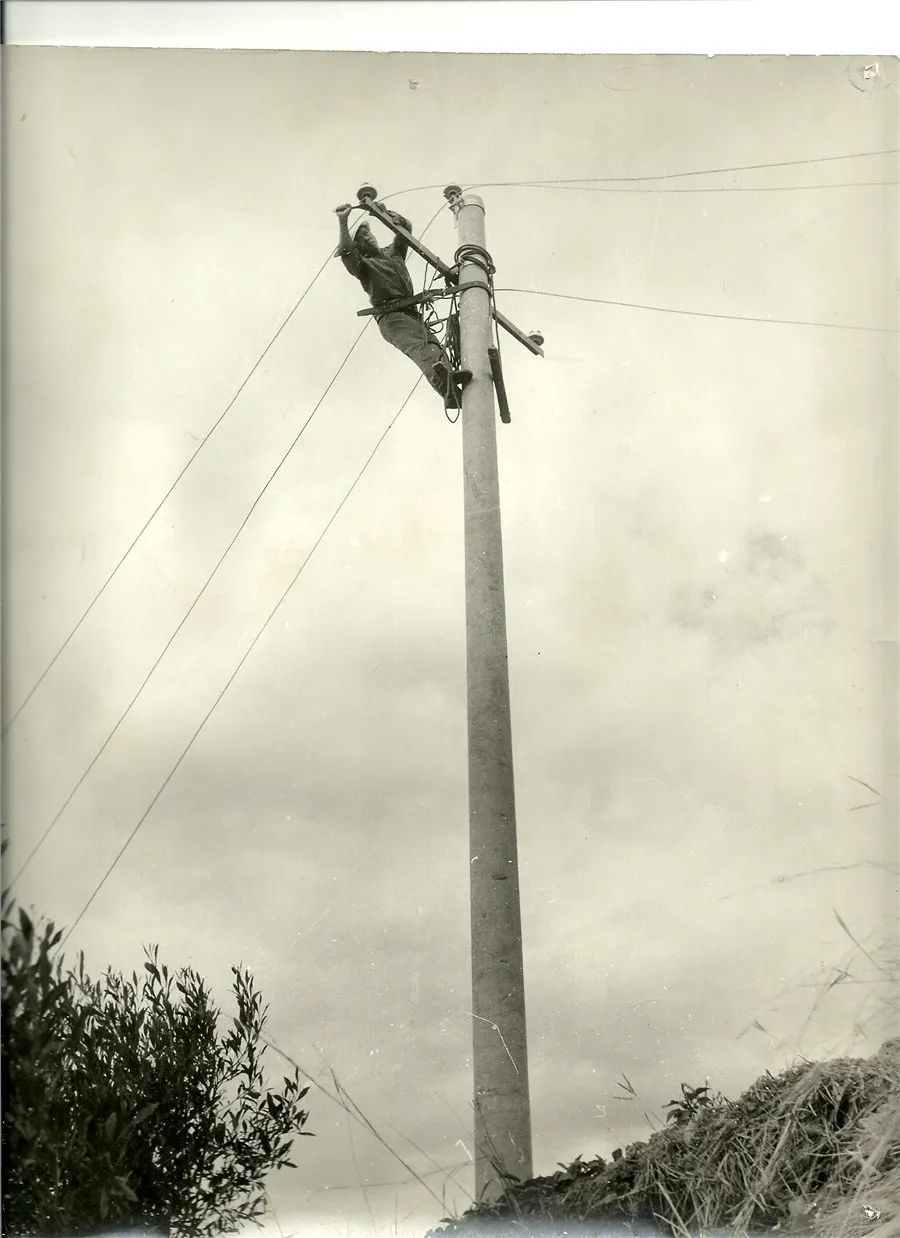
401 245
346 250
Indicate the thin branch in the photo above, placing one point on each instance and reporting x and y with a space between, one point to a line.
858 944
361 1117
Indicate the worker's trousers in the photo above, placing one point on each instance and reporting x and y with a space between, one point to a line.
414 339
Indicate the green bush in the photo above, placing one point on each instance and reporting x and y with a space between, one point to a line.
129 1102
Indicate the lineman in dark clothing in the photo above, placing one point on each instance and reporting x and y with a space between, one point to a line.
383 274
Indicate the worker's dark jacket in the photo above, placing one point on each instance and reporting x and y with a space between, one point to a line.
383 275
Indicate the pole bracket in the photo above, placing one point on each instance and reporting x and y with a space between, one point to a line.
499 385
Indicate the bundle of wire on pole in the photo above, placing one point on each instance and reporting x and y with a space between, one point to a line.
478 256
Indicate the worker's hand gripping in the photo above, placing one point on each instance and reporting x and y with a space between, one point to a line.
343 211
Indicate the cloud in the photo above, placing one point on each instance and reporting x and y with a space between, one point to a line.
764 591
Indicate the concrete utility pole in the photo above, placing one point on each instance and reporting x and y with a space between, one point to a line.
500 1059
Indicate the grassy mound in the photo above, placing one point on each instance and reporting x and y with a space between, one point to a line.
813 1150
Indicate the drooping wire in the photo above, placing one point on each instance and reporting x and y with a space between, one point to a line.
440 328
666 309
146 813
199 595
430 315
143 529
444 329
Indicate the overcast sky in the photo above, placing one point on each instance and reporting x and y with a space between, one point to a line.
695 514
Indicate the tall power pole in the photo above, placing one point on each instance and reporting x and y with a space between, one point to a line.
500 1059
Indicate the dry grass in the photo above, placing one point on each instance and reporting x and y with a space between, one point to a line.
814 1150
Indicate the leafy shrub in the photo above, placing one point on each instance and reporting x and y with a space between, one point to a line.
129 1101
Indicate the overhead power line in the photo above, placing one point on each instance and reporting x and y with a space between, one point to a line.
661 176
668 309
198 596
654 192
145 526
719 171
189 612
583 183
172 487
752 167
570 182
146 813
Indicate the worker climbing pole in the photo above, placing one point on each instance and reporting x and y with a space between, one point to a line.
409 321
399 313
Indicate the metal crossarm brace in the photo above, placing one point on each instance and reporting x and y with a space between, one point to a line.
450 275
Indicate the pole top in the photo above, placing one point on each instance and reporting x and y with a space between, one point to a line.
457 199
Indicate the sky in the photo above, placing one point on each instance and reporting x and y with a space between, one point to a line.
697 521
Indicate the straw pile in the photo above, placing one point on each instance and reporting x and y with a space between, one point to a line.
814 1150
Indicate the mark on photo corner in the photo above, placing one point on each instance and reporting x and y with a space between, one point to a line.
870 74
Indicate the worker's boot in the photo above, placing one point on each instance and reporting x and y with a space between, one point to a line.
440 378
458 380
450 383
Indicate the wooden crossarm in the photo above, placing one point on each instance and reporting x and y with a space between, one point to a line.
383 216
449 273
